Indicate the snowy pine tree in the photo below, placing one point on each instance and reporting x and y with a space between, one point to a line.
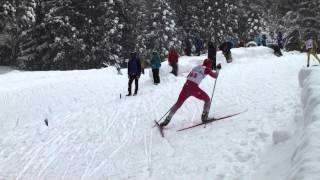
16 17
251 21
161 29
303 22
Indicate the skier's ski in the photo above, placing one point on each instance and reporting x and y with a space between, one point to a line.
160 128
210 120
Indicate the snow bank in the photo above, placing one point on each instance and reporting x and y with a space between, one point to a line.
305 164
94 134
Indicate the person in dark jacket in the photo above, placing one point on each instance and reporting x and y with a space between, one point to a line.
264 40
199 46
226 50
212 52
134 72
276 49
280 40
155 65
188 48
173 60
242 42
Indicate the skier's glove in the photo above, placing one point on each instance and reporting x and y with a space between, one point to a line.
218 66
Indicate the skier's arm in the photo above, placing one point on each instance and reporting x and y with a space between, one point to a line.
211 73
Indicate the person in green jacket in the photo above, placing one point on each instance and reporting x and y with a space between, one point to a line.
155 65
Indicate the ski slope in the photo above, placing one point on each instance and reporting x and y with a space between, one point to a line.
95 132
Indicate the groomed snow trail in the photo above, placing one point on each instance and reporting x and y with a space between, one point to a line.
93 134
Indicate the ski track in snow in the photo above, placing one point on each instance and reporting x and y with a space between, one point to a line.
93 134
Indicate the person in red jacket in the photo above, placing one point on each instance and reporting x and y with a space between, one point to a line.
191 88
173 60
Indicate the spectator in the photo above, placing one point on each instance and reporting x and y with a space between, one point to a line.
226 50
188 47
173 60
212 52
257 39
155 65
264 40
199 46
134 72
280 40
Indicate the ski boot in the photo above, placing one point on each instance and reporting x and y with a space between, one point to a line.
204 117
129 94
165 122
135 93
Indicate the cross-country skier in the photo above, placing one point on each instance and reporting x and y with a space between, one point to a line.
191 88
311 46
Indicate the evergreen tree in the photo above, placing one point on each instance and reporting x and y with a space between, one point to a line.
161 29
303 22
15 17
251 21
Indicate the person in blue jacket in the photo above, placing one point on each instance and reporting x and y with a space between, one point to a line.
134 72
199 45
155 65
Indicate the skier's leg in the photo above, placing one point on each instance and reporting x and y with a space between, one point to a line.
315 55
200 94
184 94
308 55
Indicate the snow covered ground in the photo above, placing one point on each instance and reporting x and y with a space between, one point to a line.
95 132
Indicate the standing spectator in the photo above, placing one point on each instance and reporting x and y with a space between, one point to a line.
134 72
318 50
280 40
257 39
173 60
212 52
199 45
242 42
188 48
226 50
155 65
311 47
142 66
264 40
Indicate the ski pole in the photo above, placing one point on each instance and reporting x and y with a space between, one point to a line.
214 87
164 115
